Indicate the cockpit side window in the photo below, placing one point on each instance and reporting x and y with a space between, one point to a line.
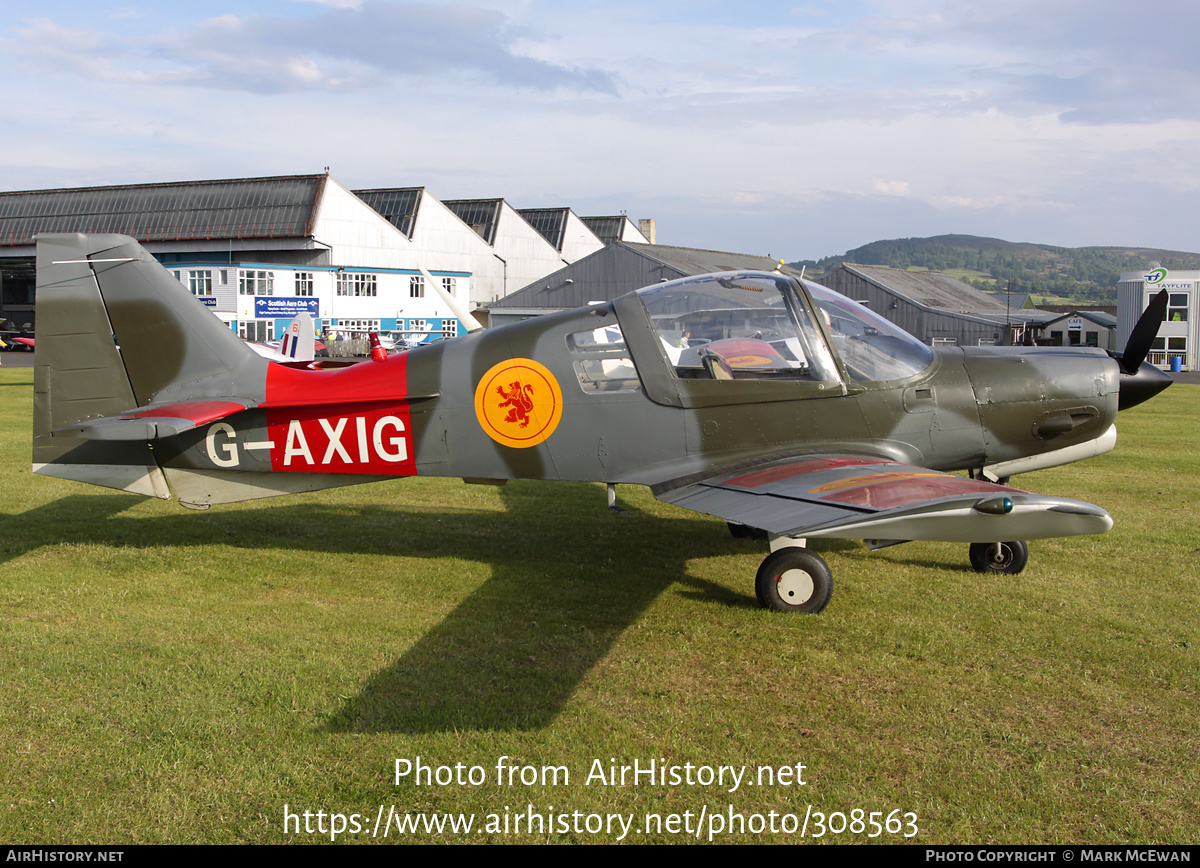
737 327
601 360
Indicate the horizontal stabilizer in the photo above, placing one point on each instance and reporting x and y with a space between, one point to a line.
150 423
145 479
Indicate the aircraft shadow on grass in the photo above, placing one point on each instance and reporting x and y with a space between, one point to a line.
567 579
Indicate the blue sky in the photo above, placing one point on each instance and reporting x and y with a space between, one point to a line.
789 129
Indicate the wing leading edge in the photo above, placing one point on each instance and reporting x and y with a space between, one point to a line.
862 497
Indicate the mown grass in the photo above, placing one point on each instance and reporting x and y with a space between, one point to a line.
179 677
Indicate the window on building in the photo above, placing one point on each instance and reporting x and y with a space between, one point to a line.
1177 307
357 285
448 284
257 330
356 326
449 329
416 286
200 282
255 282
304 283
1162 349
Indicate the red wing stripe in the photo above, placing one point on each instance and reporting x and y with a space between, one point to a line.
787 471
902 490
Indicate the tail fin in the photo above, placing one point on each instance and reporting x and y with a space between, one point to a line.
116 333
300 339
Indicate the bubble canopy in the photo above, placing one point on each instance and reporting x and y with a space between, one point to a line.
759 326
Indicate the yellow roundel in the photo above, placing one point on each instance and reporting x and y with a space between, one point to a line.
518 403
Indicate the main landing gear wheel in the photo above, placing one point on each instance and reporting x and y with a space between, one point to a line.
794 579
1004 557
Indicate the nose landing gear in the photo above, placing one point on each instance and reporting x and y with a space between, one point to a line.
999 557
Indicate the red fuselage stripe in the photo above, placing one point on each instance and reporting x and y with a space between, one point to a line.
348 420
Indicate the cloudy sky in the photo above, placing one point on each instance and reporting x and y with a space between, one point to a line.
791 129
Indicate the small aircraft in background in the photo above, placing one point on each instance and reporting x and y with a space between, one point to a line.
297 346
13 341
776 404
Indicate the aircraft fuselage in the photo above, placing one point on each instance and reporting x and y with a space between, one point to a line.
969 408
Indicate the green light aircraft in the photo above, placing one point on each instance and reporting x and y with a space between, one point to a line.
776 404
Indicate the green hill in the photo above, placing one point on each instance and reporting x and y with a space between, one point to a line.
1079 274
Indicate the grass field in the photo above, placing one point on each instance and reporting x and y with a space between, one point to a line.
180 677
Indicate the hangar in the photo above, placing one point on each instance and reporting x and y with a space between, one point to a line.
934 307
258 250
255 250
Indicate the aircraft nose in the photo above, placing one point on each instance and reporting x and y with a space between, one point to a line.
1142 385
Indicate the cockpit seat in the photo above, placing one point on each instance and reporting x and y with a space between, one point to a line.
715 365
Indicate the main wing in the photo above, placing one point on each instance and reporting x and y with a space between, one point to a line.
864 497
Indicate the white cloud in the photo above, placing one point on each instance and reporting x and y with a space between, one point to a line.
891 188
351 46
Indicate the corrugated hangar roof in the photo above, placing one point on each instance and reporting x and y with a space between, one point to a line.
397 205
691 260
238 208
932 289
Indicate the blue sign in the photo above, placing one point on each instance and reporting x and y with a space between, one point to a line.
207 300
270 307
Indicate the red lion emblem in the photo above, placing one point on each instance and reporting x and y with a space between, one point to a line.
520 401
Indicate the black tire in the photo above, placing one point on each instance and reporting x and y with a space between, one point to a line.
1004 557
794 579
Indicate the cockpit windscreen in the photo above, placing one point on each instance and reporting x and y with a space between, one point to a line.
871 348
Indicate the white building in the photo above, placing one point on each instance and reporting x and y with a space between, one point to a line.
1177 336
257 299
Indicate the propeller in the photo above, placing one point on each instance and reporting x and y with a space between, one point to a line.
1143 335
1140 380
